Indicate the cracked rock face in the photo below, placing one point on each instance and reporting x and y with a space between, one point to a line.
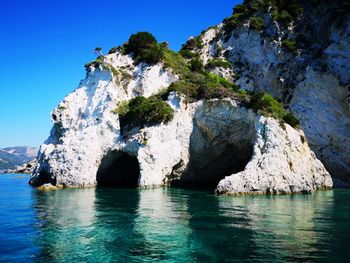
314 84
85 127
219 143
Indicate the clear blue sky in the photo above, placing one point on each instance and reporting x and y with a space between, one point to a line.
45 44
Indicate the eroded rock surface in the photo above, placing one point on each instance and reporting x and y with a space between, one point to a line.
217 143
207 142
314 82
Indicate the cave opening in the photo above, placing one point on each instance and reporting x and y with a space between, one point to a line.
205 170
43 178
118 169
218 148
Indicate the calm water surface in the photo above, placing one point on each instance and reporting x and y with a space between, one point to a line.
171 225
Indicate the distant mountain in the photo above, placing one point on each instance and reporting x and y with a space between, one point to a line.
11 157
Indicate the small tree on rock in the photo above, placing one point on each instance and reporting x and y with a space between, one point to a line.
98 51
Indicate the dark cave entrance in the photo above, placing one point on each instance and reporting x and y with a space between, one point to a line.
205 170
219 147
232 160
118 169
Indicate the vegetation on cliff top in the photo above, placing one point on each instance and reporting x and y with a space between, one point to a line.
195 83
145 48
282 11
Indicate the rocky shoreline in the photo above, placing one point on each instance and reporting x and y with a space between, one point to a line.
26 168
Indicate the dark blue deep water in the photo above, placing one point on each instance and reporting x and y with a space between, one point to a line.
170 225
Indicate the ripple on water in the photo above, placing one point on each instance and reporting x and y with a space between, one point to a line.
171 225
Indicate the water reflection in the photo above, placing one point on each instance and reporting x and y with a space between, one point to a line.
65 222
177 225
212 237
285 227
162 219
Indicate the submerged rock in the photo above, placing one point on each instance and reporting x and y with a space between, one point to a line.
49 187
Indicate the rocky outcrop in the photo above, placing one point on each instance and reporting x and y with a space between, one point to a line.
85 127
26 168
218 143
314 82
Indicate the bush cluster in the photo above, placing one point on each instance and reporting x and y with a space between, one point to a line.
141 112
196 65
290 45
215 63
256 23
283 17
291 119
195 83
283 11
192 44
266 105
113 50
188 54
209 86
144 47
242 13
96 63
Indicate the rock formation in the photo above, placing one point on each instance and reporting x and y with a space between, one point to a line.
304 62
26 168
218 142
298 51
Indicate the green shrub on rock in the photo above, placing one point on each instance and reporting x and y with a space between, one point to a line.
96 63
113 50
145 48
188 54
140 41
283 17
239 9
215 63
141 112
195 83
192 44
266 105
281 10
290 46
196 65
256 23
291 120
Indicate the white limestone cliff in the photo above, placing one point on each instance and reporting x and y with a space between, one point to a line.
85 126
314 86
215 142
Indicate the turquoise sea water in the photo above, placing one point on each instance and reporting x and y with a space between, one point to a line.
171 225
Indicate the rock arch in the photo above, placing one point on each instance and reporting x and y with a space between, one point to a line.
118 169
220 145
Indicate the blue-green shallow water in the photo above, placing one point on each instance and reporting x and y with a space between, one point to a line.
172 225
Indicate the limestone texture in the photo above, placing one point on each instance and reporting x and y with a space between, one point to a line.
220 143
